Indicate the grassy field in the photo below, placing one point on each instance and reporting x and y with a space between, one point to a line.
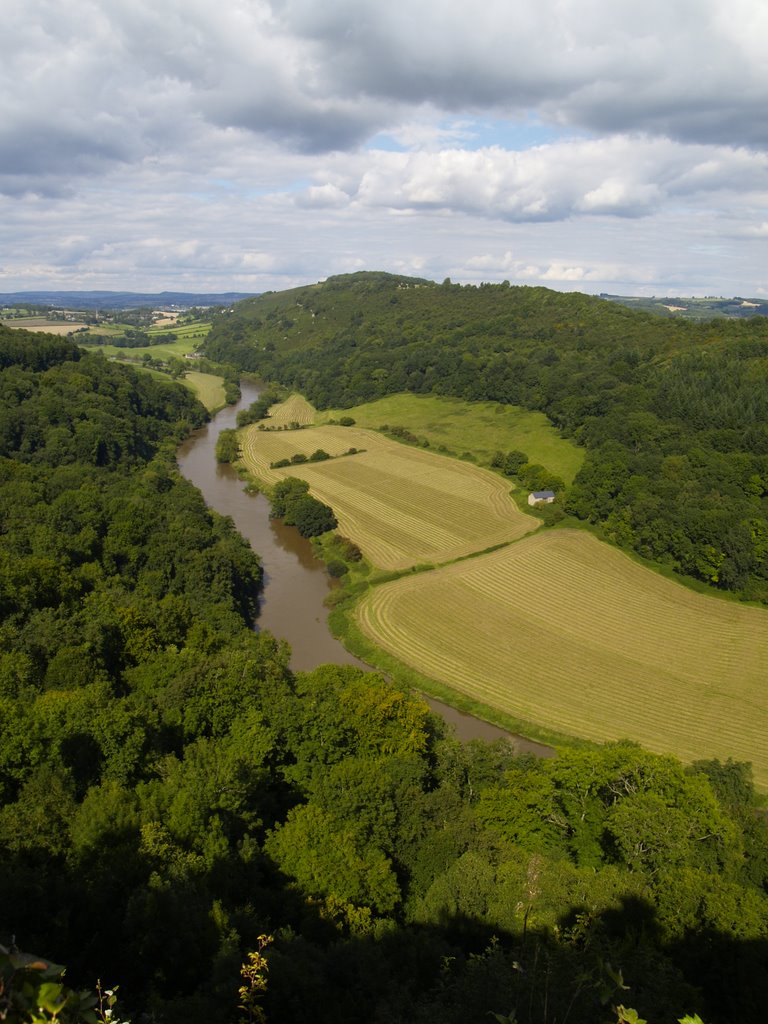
166 351
208 388
567 632
403 506
184 332
481 428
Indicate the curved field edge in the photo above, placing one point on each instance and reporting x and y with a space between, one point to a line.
293 409
208 387
606 650
343 625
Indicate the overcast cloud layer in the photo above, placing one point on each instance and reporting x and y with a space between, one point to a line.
252 144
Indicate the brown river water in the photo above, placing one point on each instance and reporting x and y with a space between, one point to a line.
295 582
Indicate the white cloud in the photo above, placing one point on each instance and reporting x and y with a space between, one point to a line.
144 140
621 176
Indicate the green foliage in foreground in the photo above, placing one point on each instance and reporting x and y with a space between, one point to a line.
171 793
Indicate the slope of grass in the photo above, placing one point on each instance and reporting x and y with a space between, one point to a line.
566 632
295 409
480 428
208 388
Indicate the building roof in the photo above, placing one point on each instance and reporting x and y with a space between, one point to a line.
543 494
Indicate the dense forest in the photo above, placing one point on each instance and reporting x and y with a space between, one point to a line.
673 414
173 798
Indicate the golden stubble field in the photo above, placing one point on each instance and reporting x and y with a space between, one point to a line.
568 633
402 505
295 409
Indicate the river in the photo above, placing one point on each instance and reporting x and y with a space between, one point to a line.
295 582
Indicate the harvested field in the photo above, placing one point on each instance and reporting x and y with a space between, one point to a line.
295 409
403 506
568 633
482 428
40 323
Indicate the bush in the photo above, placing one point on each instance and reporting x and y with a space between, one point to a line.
348 550
285 493
337 569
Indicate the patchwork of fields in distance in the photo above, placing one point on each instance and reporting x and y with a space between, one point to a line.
43 324
482 428
402 505
568 633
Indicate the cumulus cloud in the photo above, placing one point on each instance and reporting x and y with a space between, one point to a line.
621 176
110 83
271 140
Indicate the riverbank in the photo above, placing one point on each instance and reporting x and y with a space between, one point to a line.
296 584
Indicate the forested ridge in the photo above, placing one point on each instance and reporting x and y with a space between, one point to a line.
673 414
170 791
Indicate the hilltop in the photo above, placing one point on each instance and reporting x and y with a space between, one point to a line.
379 308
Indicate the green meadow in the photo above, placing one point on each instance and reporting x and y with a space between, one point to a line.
185 344
478 428
207 386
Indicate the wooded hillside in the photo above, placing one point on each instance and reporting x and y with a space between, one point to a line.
170 791
673 414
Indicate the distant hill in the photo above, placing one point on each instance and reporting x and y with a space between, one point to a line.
121 300
688 308
373 308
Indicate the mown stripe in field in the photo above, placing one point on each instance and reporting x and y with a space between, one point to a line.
401 505
295 409
570 634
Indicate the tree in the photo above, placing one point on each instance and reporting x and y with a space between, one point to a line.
310 516
227 446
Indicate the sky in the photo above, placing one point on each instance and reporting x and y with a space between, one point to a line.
243 145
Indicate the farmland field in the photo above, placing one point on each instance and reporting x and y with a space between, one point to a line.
402 505
42 323
208 388
563 631
481 428
186 343
295 409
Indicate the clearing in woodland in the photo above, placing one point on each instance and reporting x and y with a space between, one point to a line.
565 632
402 506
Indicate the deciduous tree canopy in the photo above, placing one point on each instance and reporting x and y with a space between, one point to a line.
170 791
